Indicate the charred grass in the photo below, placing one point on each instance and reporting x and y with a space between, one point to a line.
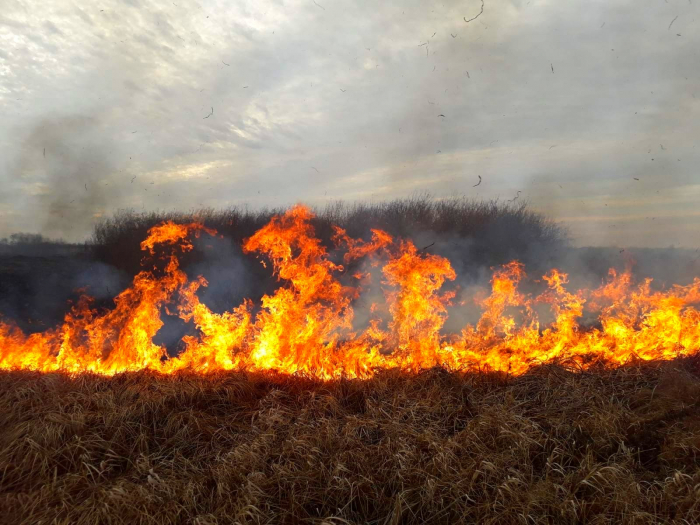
552 446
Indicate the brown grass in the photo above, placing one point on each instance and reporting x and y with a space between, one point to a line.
553 446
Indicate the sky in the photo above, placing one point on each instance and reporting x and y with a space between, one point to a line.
588 110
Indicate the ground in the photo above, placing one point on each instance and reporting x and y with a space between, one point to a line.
551 446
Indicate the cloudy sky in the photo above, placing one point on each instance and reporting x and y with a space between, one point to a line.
589 108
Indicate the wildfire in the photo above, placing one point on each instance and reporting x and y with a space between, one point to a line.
308 324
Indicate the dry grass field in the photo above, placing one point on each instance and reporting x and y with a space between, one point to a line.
552 446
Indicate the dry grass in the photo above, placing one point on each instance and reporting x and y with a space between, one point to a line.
552 446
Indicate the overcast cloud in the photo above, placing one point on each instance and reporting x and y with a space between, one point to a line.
176 105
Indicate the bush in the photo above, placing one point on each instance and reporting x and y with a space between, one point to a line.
492 232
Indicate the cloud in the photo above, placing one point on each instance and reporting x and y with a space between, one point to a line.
354 90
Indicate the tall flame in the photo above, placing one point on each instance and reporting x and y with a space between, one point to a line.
307 325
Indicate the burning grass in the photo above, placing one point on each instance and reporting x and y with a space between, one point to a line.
550 446
257 418
307 325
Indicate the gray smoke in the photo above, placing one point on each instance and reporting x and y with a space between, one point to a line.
37 288
230 281
66 163
227 270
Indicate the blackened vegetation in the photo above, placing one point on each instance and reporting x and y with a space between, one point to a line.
553 446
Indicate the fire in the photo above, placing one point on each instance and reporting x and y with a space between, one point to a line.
308 324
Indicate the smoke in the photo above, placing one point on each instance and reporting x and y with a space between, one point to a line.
100 281
230 281
475 259
371 303
228 272
588 267
65 163
37 290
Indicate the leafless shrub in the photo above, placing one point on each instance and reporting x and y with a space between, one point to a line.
497 231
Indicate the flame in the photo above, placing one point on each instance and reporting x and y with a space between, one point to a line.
307 325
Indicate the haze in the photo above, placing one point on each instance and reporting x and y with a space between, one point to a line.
588 110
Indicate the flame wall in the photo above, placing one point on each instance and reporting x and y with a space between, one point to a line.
307 325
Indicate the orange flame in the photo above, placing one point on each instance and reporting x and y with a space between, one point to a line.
306 325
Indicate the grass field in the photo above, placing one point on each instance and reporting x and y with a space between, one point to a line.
552 446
